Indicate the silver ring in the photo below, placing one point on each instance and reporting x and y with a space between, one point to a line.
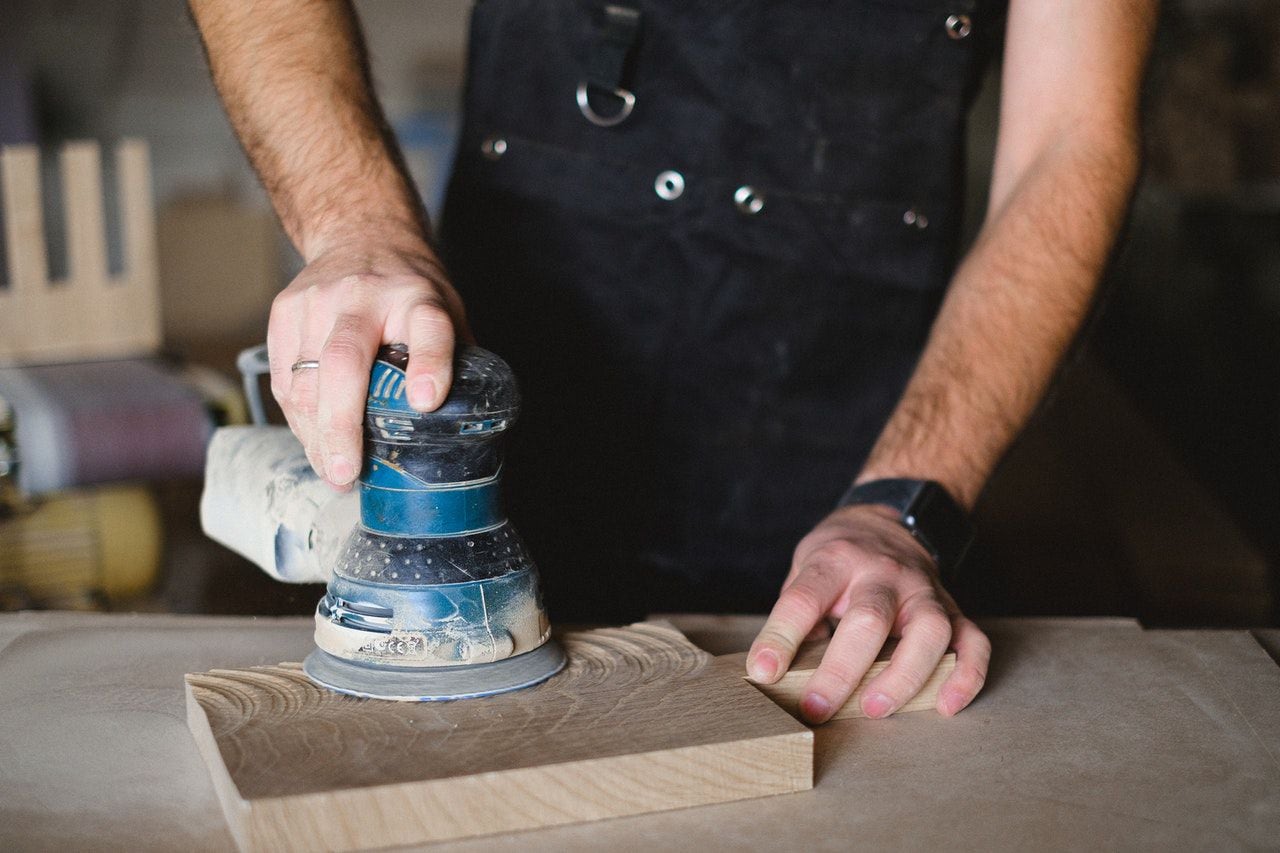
584 106
305 364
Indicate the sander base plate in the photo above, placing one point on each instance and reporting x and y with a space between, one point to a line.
435 684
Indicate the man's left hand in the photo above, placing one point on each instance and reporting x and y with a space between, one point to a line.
861 567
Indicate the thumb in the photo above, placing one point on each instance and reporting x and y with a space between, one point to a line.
431 342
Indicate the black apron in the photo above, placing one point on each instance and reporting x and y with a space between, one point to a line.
712 305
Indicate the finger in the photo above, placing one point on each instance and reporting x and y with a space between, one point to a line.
973 656
431 342
853 648
295 391
284 329
345 363
305 435
925 635
800 606
300 412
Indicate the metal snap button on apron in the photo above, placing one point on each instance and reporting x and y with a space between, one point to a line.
747 200
493 147
915 218
959 26
669 185
584 106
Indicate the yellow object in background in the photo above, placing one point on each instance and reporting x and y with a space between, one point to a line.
81 549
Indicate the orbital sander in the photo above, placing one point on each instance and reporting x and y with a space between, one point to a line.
432 595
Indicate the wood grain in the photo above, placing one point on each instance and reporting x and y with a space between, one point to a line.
91 314
789 689
639 721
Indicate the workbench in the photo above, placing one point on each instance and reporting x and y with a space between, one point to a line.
1090 733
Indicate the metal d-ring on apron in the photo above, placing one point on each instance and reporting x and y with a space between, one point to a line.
584 104
618 31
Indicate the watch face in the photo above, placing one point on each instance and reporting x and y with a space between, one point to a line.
926 510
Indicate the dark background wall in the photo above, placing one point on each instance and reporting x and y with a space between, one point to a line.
1149 484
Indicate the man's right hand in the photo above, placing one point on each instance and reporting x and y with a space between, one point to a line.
294 76
353 297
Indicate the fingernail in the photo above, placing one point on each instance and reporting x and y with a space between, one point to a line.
422 392
763 667
876 705
340 469
815 708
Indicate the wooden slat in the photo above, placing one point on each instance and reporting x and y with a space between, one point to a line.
789 690
81 303
82 206
640 721
138 233
24 246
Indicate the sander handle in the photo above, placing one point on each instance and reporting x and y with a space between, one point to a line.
253 364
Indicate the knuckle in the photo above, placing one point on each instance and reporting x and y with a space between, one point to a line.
836 552
431 309
802 603
432 323
430 299
981 643
773 638
299 397
355 287
841 672
344 421
934 628
341 351
974 640
884 565
279 389
873 612
302 408
970 679
346 340
283 302
313 457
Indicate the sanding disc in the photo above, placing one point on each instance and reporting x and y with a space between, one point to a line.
435 684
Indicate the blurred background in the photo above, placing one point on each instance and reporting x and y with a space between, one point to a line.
1148 485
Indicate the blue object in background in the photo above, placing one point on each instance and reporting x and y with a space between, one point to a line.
429 139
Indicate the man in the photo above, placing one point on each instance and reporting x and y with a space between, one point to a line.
717 246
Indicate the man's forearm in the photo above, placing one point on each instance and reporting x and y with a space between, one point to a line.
1059 196
1014 306
293 75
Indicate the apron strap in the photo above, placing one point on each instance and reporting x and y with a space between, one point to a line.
618 31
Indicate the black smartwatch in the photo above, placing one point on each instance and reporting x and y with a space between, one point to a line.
928 513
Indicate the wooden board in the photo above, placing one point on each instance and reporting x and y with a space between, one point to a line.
789 689
640 721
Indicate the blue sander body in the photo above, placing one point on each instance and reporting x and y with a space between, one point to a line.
434 595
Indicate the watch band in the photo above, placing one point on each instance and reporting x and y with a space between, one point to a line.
927 512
